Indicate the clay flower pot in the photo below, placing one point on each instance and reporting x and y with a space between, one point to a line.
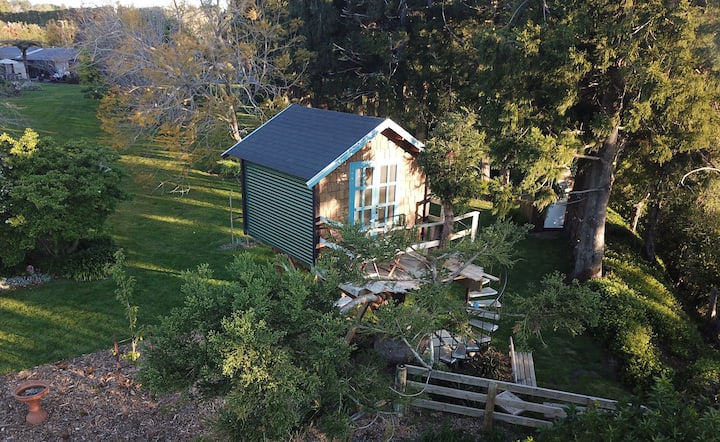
30 393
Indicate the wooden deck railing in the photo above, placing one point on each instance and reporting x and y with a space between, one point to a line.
491 399
470 231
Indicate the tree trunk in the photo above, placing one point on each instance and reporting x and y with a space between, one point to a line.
447 228
639 206
588 204
651 231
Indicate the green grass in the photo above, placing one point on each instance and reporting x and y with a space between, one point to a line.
57 110
162 233
563 362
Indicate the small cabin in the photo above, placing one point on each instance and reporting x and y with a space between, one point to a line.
308 164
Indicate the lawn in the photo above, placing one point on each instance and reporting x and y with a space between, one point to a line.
164 234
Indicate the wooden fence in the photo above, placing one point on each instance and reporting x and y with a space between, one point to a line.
491 399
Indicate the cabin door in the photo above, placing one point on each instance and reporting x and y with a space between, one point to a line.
373 193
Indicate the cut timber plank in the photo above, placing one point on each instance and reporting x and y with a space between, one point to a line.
460 352
484 303
515 408
352 290
484 293
487 326
523 366
471 271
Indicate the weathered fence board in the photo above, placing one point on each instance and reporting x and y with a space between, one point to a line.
476 397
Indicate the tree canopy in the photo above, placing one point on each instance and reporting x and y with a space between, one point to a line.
606 81
52 195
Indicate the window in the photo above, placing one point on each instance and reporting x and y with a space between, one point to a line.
373 193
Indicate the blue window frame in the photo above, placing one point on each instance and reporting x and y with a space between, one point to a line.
373 193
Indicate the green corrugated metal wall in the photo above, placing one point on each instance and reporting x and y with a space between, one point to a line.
279 211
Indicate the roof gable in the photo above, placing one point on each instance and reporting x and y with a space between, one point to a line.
309 143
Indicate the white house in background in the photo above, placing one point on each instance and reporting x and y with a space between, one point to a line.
47 62
12 70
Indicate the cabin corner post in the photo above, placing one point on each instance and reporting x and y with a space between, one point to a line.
317 225
244 196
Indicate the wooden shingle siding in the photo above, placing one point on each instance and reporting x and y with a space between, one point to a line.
334 188
280 212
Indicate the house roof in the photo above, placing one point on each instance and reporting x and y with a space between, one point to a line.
309 143
40 54
52 54
9 52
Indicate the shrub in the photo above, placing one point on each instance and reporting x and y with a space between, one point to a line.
90 263
663 416
257 341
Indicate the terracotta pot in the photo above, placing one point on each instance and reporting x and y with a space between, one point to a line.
30 393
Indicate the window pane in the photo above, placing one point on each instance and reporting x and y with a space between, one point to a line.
383 196
368 197
381 214
383 174
391 193
392 173
368 176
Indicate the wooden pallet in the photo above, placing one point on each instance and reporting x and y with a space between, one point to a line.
523 367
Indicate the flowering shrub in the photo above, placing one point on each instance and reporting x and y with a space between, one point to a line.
17 282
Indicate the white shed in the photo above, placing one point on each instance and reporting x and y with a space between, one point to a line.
12 70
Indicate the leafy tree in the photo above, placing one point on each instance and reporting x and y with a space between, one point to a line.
451 161
193 79
52 195
614 77
411 60
269 341
557 306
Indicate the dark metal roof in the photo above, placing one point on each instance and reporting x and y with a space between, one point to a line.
52 54
40 54
309 143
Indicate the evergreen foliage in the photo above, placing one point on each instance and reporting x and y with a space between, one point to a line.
272 342
52 196
661 415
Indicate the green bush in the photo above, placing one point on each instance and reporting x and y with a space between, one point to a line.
268 341
89 263
663 416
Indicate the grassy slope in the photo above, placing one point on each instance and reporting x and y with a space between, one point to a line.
562 361
162 233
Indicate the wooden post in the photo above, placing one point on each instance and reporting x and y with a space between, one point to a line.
490 406
474 225
712 305
400 384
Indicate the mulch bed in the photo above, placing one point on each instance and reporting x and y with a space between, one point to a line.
91 400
